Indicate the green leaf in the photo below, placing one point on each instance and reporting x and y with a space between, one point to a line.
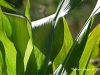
76 49
20 35
7 26
10 54
93 42
42 39
62 10
91 70
64 7
57 42
58 39
43 34
1 62
27 14
11 7
20 38
74 53
10 51
1 20
19 63
3 67
29 58
90 49
5 4
67 42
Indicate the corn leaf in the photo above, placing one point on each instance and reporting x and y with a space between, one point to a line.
29 58
7 26
42 46
43 34
93 42
91 46
3 67
67 43
89 49
73 55
5 4
90 52
8 49
20 38
11 7
20 35
77 48
57 42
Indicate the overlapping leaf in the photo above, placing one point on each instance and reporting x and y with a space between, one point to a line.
46 33
7 26
20 35
10 51
20 38
67 43
29 58
77 48
5 4
93 41
42 46
90 52
11 7
44 29
3 67
90 49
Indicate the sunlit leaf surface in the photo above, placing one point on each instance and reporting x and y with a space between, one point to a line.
44 31
29 58
20 38
67 42
5 4
9 50
76 49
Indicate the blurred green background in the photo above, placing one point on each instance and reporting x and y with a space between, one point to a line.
42 8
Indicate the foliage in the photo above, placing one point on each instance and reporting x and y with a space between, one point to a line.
46 46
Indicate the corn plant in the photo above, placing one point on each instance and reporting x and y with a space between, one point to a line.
46 46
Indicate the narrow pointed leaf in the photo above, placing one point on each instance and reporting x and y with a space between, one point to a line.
20 35
58 39
57 42
7 26
3 66
10 57
42 39
29 58
20 38
90 48
61 44
65 6
74 53
5 4
67 43
76 49
10 51
96 9
44 29
93 41
11 7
